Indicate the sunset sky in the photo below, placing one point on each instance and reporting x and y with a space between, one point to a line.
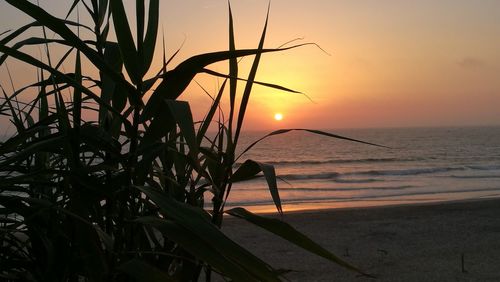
387 63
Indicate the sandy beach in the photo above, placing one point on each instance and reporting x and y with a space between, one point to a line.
454 241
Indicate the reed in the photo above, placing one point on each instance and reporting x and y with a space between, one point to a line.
122 196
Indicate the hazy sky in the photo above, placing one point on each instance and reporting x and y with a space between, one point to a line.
390 63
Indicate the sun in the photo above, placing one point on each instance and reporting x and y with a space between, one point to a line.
278 116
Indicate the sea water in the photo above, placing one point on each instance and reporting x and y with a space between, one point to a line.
420 165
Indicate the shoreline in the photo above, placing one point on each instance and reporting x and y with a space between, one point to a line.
318 206
401 204
410 242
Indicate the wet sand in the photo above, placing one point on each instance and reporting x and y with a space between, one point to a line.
458 241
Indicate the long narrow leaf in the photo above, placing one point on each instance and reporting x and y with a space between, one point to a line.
73 6
197 246
34 62
182 113
59 27
287 232
270 85
233 82
250 80
44 144
197 222
208 119
113 57
24 28
250 169
17 122
125 40
319 132
270 175
103 7
77 94
151 34
175 81
33 41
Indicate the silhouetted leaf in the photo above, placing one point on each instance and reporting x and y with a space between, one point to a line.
270 85
151 33
34 62
175 81
198 246
233 83
100 139
250 169
59 27
32 41
103 6
319 132
182 114
77 94
43 144
109 89
197 223
211 112
251 77
125 40
287 232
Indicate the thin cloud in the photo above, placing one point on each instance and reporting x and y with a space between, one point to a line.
472 63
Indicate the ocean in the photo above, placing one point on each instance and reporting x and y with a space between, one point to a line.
421 165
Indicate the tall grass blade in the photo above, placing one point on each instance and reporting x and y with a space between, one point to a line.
23 136
182 114
270 175
59 27
198 247
151 35
77 94
233 82
125 40
73 6
32 41
4 32
319 132
211 112
140 19
197 222
103 7
18 32
48 144
109 89
250 169
99 138
34 62
43 110
270 85
175 81
251 77
287 232
17 122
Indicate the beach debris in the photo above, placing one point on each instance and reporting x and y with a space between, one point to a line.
384 252
463 263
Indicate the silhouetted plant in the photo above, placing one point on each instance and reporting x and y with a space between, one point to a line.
120 197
